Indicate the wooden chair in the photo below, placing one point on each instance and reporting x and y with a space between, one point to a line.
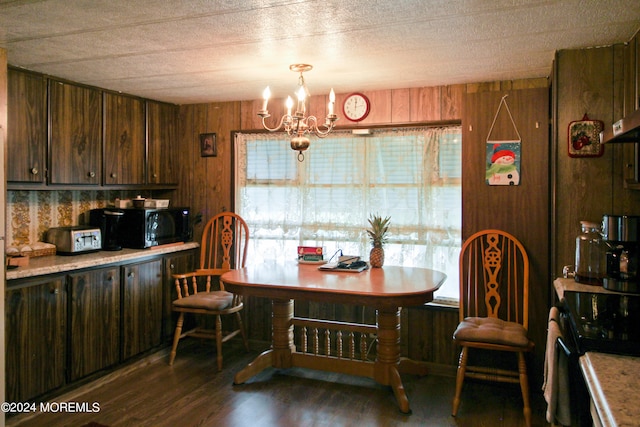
494 298
224 247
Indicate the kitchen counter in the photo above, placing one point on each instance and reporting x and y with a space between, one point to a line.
562 285
613 384
52 264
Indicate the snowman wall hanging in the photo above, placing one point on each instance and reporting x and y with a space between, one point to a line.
503 157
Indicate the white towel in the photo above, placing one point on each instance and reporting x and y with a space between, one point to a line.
556 375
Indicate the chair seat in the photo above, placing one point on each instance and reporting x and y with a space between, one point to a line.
491 330
214 301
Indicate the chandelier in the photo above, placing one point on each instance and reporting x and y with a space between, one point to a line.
297 124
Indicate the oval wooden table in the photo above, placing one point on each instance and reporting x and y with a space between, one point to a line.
385 289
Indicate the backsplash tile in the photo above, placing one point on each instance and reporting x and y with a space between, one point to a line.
31 213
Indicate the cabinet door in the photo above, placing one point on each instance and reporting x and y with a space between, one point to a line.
142 307
35 338
76 134
174 264
161 157
26 130
124 140
95 321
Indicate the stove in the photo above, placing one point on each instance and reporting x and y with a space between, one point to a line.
604 322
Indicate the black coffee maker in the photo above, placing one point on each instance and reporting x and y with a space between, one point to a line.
620 233
107 220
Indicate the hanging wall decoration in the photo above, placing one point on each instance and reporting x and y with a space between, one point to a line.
208 145
503 156
584 138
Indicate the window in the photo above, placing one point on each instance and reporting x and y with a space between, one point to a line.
412 175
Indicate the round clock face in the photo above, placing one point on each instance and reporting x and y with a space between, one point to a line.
356 107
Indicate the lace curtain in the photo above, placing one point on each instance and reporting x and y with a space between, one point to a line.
409 174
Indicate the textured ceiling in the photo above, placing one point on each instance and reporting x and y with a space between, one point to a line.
204 50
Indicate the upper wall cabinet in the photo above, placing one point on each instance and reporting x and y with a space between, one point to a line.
65 135
76 134
27 127
161 158
124 140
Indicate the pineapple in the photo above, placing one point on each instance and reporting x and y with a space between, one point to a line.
378 235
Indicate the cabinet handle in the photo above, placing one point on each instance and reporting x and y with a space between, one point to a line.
54 291
114 175
92 174
34 171
132 275
171 266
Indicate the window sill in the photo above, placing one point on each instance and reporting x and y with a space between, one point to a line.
449 303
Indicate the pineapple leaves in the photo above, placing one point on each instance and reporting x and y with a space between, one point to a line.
378 229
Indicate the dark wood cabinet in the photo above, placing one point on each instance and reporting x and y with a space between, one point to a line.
35 338
141 307
124 140
65 327
27 127
95 321
161 155
63 135
76 134
181 262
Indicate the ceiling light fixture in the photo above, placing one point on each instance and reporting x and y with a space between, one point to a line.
298 124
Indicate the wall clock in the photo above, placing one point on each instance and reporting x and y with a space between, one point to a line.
356 107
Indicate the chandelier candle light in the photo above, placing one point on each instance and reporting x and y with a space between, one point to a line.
298 125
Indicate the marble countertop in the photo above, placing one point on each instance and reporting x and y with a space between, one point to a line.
613 384
52 264
562 284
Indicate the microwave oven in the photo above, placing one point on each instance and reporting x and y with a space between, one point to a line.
140 228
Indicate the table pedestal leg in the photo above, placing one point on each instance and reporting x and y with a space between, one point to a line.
279 356
259 364
388 358
283 346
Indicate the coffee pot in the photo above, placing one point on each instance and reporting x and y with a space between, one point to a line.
621 236
108 220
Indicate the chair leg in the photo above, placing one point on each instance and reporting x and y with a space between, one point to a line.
462 369
219 341
241 326
176 338
524 386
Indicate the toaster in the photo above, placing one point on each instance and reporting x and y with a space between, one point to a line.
75 239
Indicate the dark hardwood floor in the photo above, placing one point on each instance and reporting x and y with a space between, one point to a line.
193 393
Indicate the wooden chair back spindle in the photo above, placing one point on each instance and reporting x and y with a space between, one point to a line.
225 241
494 275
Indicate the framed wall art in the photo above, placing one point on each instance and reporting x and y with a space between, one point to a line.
584 138
208 145
503 163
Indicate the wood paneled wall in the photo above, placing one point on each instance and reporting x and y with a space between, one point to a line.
521 210
398 106
206 182
590 81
